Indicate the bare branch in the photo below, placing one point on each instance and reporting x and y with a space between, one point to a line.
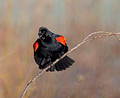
85 40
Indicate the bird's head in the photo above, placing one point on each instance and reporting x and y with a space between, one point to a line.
44 33
45 38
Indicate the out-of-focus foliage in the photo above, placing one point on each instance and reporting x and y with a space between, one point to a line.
96 72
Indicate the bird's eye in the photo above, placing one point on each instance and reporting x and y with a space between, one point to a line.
43 31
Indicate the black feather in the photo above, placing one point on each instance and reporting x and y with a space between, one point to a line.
62 64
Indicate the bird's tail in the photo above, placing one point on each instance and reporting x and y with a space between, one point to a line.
64 63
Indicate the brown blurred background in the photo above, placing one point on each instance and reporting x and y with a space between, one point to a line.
96 72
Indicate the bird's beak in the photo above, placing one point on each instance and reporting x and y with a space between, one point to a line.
40 34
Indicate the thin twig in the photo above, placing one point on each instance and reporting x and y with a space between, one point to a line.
86 39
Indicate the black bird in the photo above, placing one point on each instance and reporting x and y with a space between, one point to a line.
49 47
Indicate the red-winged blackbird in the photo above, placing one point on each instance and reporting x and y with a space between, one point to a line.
49 47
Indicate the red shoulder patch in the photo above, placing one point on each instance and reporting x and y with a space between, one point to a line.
35 46
61 40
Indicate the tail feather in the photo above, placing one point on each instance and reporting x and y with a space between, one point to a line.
69 60
59 67
61 63
67 64
56 67
64 63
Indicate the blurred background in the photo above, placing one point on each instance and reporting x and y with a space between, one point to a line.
96 71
